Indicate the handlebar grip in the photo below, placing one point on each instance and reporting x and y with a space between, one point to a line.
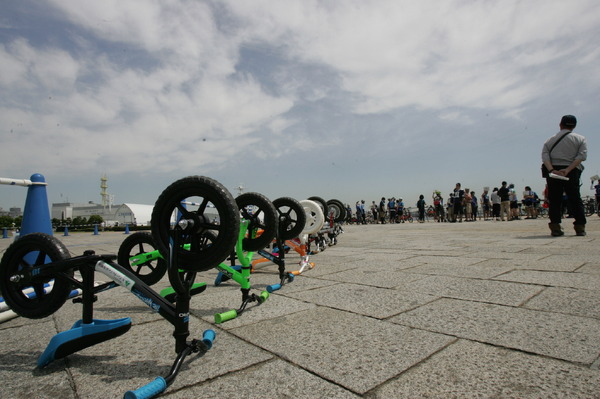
273 287
208 338
222 317
264 295
149 390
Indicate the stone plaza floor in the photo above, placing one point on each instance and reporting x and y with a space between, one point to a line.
483 309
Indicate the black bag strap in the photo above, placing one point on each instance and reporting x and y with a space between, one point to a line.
558 141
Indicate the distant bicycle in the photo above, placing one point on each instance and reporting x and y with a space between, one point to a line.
589 204
406 216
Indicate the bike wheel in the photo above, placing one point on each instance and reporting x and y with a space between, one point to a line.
202 205
292 217
322 203
183 280
261 214
314 217
141 243
338 209
28 251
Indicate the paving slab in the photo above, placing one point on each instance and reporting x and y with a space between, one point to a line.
590 267
447 261
469 369
355 352
224 299
554 279
473 289
555 263
375 275
482 270
18 359
273 379
366 300
560 336
145 352
484 309
567 300
521 256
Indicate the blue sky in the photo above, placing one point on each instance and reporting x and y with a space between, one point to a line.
338 99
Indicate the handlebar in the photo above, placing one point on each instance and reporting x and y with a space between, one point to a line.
159 384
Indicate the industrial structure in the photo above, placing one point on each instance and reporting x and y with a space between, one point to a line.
132 214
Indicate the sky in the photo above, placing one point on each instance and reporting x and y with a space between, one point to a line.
352 100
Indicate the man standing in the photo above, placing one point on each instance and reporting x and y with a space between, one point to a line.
504 194
562 155
382 210
485 203
392 209
459 195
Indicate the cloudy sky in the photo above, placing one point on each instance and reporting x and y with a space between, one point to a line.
351 100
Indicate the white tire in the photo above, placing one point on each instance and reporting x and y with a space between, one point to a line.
314 217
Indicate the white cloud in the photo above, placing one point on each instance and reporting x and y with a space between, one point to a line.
127 116
24 66
150 87
428 54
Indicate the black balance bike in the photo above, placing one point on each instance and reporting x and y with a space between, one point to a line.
191 239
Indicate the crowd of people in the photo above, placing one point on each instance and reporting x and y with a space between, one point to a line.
562 157
502 203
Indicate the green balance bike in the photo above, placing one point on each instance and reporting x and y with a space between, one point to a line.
198 240
258 227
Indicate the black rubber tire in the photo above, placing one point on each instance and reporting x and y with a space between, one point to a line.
225 226
44 249
322 203
338 209
292 217
252 206
150 272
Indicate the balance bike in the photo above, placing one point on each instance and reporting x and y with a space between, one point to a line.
38 259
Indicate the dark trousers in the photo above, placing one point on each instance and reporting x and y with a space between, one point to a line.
556 188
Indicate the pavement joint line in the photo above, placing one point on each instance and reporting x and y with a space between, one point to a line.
281 357
596 364
526 301
373 390
217 377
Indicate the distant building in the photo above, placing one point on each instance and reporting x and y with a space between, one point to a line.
68 210
133 214
12 212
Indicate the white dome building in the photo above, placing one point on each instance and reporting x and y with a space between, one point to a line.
133 214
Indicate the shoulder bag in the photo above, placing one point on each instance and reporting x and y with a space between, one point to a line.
545 171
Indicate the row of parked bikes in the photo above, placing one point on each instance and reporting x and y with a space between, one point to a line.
196 226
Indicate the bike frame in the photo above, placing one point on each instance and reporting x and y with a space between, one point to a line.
240 275
89 331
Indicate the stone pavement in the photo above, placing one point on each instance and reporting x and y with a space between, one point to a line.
483 309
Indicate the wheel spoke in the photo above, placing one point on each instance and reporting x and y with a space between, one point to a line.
202 206
245 213
41 259
38 288
211 226
182 209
